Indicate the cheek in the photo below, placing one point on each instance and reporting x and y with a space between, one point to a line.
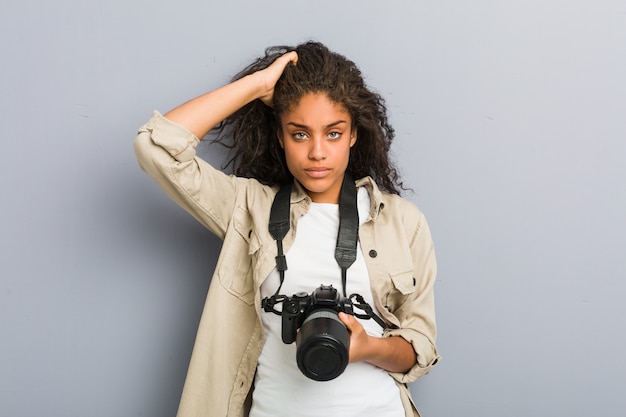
347 153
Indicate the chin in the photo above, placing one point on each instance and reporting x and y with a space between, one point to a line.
315 186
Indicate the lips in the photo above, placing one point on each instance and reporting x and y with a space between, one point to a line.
317 172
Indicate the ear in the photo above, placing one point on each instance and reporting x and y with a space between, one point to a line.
279 135
352 137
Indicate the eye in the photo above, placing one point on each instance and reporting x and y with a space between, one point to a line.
334 135
299 136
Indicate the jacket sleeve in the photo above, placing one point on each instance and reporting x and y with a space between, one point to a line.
167 152
417 315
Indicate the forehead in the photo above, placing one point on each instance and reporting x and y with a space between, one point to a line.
316 109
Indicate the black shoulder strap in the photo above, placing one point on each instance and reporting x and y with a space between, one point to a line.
279 226
347 239
279 214
348 235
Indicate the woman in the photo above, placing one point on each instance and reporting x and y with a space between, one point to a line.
301 119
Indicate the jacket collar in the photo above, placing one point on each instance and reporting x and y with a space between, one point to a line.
376 196
298 195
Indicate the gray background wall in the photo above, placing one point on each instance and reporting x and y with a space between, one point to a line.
510 129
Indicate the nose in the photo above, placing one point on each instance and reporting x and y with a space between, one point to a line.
317 151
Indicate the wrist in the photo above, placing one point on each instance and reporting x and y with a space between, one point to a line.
371 349
257 85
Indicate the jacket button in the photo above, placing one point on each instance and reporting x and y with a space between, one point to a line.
373 253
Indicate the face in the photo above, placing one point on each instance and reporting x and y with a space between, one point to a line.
317 136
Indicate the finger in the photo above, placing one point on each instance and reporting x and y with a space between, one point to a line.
347 319
288 57
291 56
280 63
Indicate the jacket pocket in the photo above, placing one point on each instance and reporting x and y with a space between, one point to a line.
404 282
239 250
403 285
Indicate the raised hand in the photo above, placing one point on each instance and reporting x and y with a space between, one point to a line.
271 74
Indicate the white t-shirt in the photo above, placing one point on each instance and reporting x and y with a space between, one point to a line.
280 388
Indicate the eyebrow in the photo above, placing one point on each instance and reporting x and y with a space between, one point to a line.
300 126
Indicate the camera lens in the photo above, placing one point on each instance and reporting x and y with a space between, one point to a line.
323 345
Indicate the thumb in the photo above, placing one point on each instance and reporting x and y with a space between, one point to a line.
347 319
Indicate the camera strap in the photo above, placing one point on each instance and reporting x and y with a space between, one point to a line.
347 238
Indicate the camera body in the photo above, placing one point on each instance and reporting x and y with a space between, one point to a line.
323 341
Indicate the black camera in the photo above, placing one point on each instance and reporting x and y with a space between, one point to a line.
323 341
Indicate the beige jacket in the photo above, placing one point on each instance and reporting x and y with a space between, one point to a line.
396 242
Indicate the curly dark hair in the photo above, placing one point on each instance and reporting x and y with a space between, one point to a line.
251 132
